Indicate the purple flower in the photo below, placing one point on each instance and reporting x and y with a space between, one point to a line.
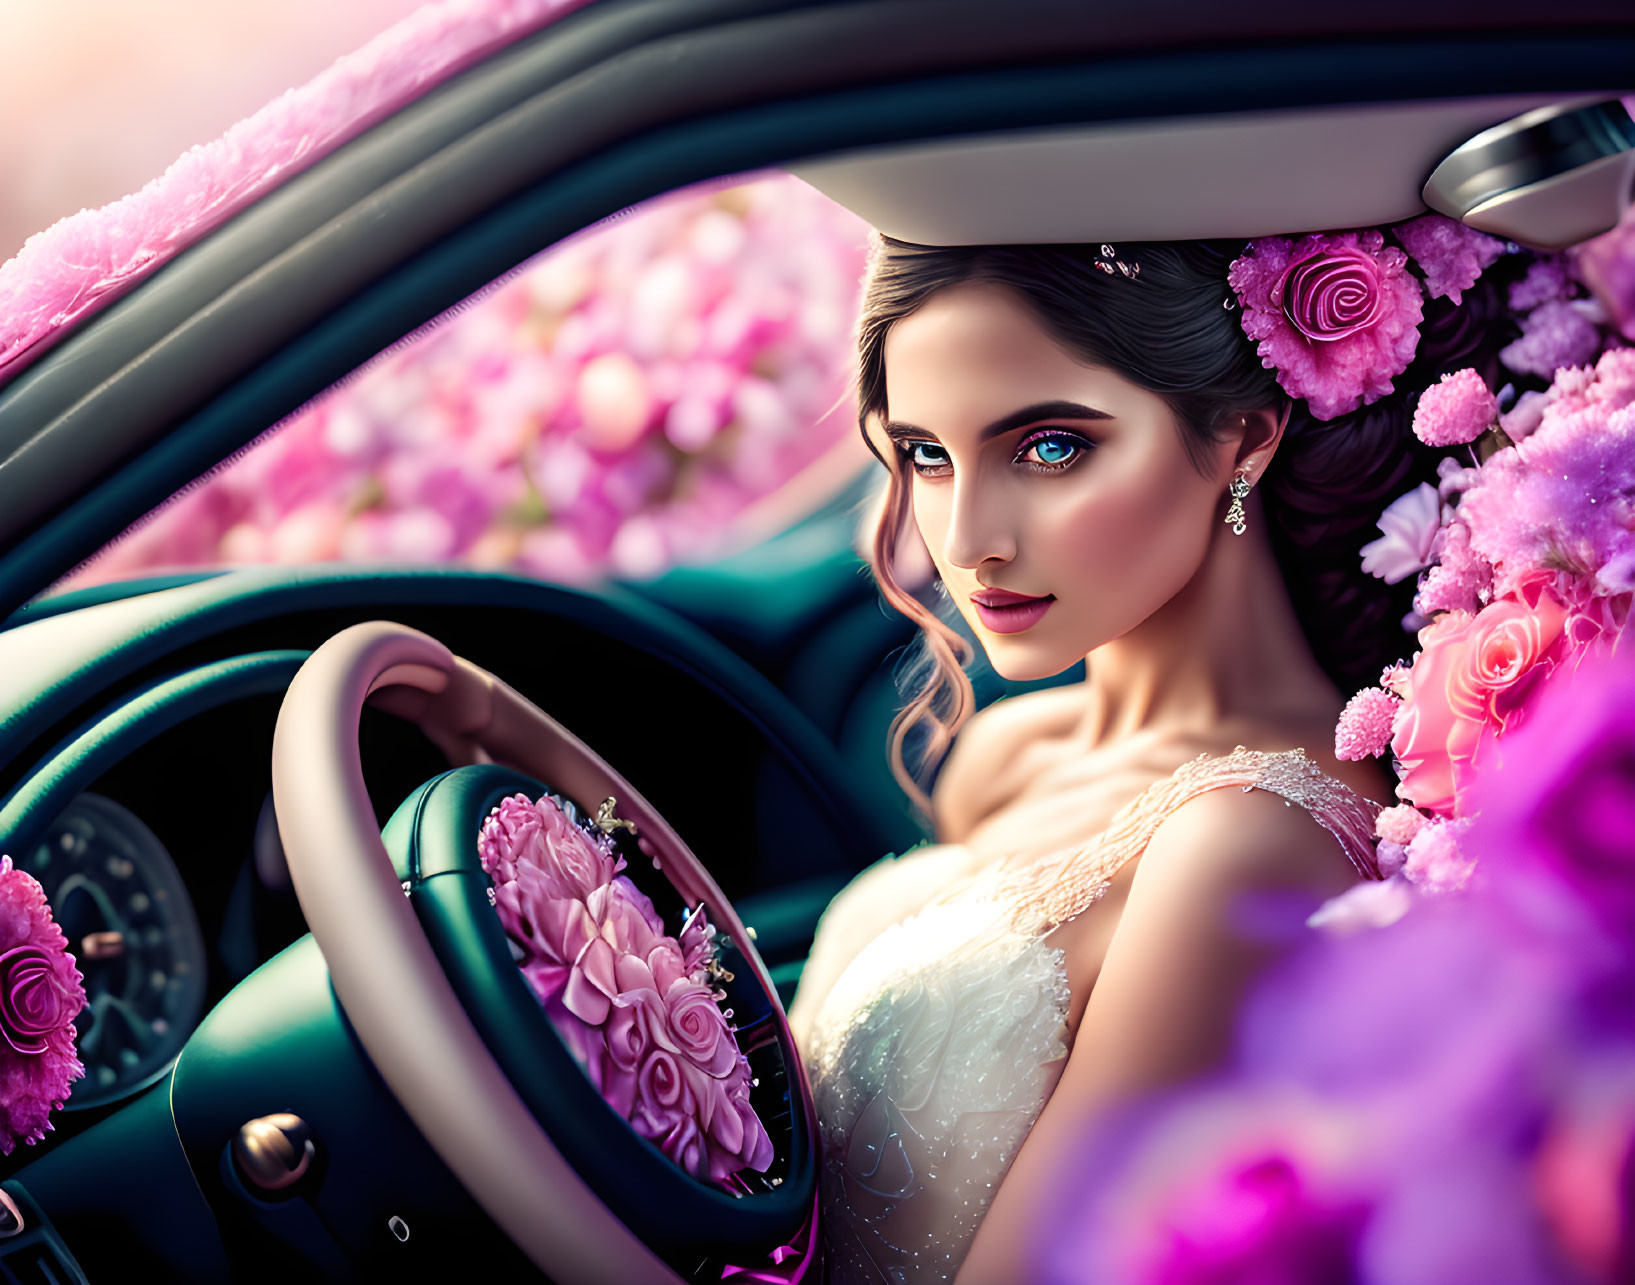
1410 523
1555 334
1554 831
1450 254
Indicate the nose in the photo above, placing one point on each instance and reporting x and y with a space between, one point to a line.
980 526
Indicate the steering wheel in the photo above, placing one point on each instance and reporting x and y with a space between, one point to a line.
396 990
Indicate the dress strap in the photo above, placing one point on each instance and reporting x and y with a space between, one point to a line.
1043 894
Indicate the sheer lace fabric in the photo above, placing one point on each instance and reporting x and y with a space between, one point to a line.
941 1041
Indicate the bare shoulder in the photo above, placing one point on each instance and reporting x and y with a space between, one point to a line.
972 781
1226 840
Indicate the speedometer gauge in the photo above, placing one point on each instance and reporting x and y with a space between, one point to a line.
131 926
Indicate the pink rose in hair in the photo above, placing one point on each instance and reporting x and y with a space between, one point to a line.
1335 314
1333 294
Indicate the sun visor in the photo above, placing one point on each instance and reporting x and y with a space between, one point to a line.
1227 175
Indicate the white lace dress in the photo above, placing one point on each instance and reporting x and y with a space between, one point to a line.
938 1045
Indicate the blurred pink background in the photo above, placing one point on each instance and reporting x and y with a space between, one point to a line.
99 96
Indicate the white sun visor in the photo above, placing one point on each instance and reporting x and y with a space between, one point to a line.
1227 175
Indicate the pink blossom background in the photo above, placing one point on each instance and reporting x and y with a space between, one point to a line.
110 93
659 389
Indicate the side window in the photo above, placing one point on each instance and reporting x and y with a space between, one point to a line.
662 388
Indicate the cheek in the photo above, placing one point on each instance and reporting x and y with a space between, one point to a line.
1134 548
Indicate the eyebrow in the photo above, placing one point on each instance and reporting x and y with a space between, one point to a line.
1016 419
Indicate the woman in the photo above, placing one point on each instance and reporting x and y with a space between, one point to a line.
1069 429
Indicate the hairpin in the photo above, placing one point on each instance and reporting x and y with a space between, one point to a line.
1108 258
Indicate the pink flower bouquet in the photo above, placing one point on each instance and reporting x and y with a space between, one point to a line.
41 993
633 1004
1534 570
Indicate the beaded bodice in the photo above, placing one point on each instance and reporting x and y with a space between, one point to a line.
939 1043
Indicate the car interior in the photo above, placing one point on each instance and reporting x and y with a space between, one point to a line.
748 700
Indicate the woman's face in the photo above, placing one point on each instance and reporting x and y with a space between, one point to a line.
1054 497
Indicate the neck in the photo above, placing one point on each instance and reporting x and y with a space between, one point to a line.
1226 650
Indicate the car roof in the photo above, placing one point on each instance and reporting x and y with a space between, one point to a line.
625 99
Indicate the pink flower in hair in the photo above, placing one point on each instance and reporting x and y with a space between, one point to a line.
1451 255
1545 281
1364 730
1457 409
1410 523
1335 314
1400 824
1555 334
1436 860
1462 580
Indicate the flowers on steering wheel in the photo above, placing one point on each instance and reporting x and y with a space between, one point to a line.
41 993
631 1002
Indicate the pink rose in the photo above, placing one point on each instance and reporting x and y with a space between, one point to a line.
1433 740
33 1003
630 919
581 866
1472 676
699 1029
684 1143
662 1096
1510 651
657 972
566 951
1335 314
629 1028
1333 294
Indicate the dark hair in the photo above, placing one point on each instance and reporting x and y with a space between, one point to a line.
1169 331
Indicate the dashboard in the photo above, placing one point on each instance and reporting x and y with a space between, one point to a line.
141 795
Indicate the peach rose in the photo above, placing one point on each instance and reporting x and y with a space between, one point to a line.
1470 679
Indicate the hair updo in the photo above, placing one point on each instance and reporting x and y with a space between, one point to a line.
1169 331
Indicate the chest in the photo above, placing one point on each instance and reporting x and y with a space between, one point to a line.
1055 803
1045 799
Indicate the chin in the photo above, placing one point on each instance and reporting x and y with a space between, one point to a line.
1018 663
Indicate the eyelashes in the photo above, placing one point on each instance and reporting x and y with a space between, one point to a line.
1053 450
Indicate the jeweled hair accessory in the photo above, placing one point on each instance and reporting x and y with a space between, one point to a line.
1108 261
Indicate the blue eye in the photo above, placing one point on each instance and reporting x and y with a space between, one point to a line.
924 456
1053 450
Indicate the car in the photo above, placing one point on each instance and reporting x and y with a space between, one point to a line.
268 1103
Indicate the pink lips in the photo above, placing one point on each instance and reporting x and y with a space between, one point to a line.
1004 612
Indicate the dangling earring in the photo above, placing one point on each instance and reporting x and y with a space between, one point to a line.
1240 488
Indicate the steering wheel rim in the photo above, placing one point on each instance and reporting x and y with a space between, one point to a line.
385 972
